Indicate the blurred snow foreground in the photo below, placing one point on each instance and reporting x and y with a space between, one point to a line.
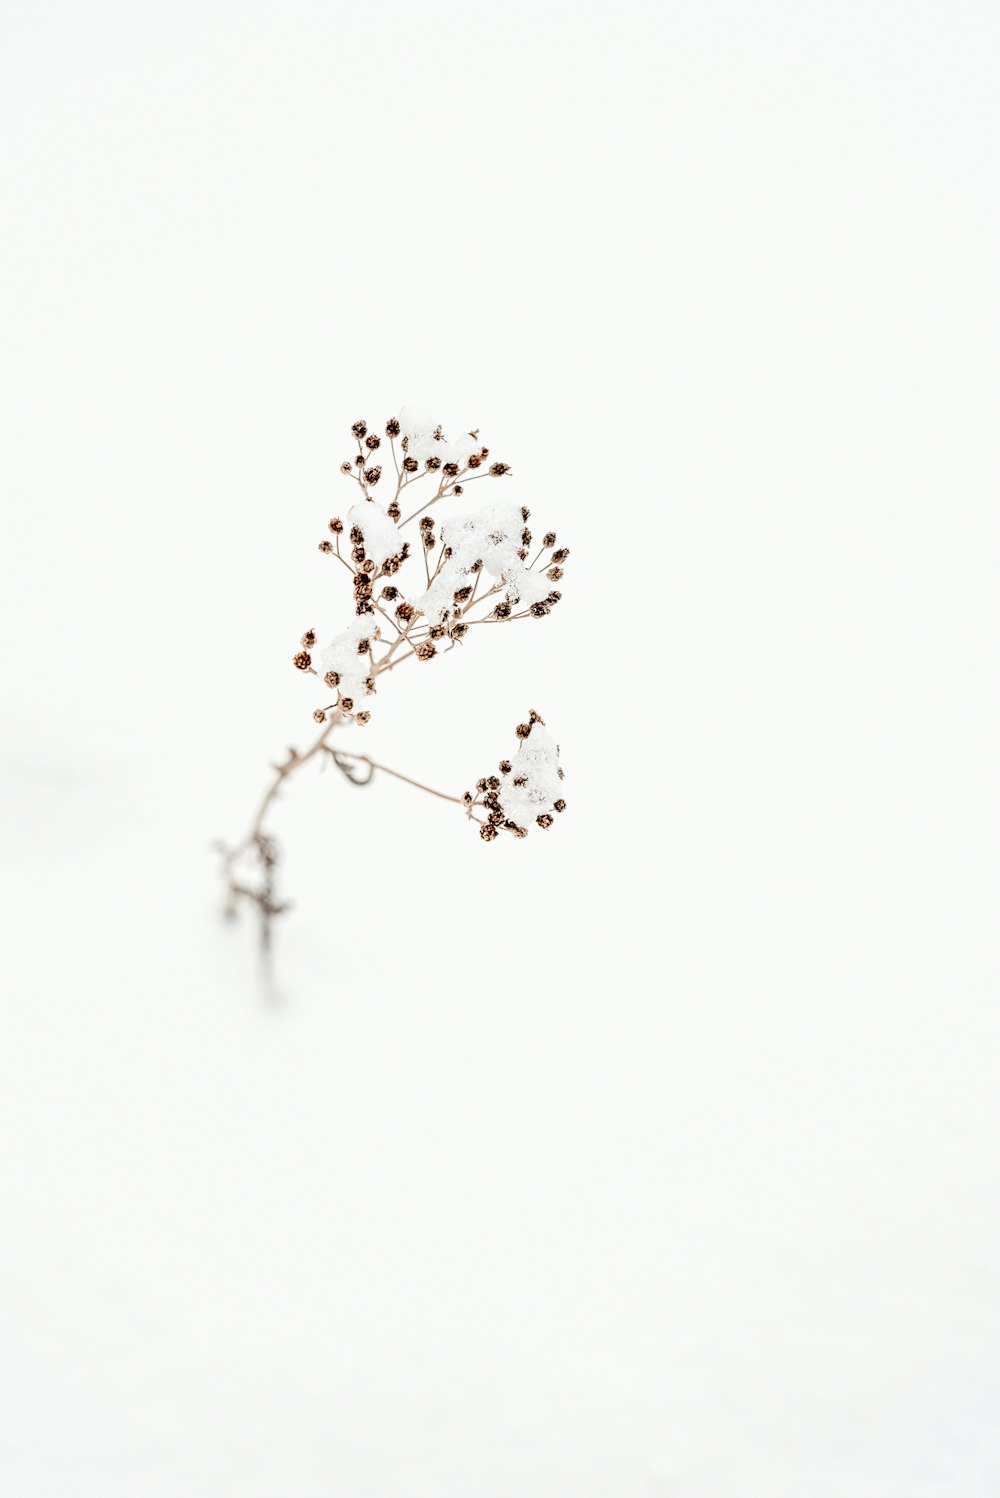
481 575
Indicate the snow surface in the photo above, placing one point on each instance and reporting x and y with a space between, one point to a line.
651 1157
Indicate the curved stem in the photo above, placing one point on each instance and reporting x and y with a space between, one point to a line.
367 760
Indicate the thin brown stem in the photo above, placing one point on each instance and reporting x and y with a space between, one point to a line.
418 784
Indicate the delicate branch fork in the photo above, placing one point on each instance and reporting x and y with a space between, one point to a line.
489 545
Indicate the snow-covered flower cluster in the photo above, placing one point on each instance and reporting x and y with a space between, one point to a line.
477 564
528 788
474 568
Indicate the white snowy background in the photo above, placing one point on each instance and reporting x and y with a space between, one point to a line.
654 1157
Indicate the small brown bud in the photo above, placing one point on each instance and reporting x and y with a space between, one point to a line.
487 832
505 767
523 730
481 784
549 539
475 461
347 467
539 610
499 469
544 820
426 650
389 592
561 554
319 716
451 469
336 525
433 464
410 465
326 546
372 442
392 427
363 717
559 805
332 678
303 660
493 781
359 429
347 703
554 574
437 631
372 475
309 639
394 511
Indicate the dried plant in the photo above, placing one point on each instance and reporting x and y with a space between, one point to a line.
478 566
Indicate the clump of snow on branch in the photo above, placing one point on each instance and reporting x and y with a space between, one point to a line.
528 788
346 663
491 537
381 538
425 439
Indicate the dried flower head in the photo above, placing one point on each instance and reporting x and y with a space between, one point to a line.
530 794
474 569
